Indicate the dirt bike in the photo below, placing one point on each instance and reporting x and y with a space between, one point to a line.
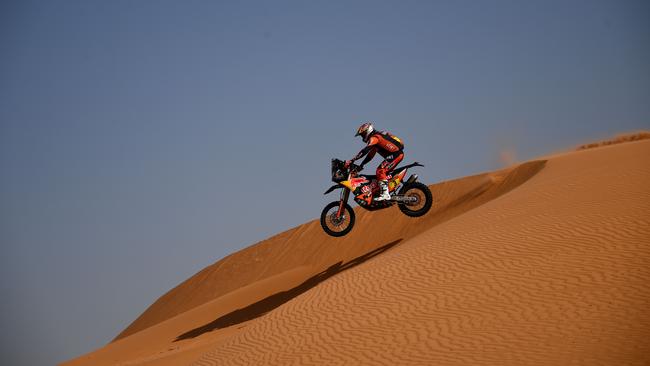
412 197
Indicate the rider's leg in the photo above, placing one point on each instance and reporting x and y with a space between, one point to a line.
383 169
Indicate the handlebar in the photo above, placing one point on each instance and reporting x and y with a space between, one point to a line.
340 170
355 168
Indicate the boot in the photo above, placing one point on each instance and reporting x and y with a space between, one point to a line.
383 195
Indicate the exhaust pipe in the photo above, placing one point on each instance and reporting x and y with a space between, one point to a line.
412 178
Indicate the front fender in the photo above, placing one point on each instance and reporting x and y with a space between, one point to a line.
332 188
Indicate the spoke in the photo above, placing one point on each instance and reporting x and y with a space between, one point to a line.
336 223
420 202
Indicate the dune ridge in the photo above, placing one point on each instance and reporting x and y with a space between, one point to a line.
543 263
618 139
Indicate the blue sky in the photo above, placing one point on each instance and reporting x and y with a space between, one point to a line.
141 141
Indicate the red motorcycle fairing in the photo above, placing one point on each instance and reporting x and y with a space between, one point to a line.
366 190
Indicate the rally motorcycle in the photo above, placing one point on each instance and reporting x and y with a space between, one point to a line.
412 197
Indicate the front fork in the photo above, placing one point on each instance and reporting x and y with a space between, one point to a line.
345 194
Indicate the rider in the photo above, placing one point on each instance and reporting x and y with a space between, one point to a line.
388 146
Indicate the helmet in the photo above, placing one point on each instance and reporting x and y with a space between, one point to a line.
365 130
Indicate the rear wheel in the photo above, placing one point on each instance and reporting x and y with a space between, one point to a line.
422 199
337 225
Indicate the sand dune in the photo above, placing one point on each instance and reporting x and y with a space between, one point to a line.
546 262
308 245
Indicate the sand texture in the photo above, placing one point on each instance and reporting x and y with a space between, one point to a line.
543 263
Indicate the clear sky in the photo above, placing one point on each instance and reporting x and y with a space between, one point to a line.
141 141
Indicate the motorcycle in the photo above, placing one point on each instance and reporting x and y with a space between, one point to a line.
412 197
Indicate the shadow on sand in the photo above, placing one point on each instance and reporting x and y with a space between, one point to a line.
263 306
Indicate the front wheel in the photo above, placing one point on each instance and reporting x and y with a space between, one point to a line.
337 225
422 199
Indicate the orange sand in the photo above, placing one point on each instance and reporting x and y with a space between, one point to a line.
544 263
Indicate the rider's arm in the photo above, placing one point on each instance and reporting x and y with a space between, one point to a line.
362 153
369 149
371 154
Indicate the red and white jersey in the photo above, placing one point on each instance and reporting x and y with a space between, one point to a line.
385 143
